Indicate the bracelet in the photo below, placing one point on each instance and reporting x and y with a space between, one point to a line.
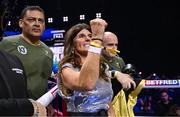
116 74
92 43
95 50
113 74
97 39
36 109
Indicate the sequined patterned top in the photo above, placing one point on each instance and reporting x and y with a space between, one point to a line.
89 101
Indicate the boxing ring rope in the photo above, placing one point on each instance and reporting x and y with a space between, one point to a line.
47 98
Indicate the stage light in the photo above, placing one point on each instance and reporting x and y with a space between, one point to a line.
82 17
140 73
154 74
50 20
65 19
9 23
98 15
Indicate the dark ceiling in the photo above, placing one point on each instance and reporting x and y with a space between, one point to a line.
148 30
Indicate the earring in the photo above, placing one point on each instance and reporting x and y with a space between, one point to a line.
72 51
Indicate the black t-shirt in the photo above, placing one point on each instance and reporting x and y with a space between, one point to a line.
13 97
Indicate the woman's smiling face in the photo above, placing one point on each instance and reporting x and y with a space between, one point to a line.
82 41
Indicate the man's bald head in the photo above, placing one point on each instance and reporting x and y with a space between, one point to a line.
109 35
110 40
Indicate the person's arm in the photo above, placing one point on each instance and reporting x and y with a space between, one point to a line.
16 107
86 78
21 107
126 80
111 111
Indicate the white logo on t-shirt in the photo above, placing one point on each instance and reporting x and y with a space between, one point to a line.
22 49
17 70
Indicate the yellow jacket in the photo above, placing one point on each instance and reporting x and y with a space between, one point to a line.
124 108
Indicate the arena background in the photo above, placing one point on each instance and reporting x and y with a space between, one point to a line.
148 29
148 32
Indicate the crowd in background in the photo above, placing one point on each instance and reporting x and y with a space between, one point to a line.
158 102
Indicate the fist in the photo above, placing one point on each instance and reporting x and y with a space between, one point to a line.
98 27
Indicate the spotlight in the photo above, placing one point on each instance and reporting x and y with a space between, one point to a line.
65 19
50 20
9 23
98 15
82 17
